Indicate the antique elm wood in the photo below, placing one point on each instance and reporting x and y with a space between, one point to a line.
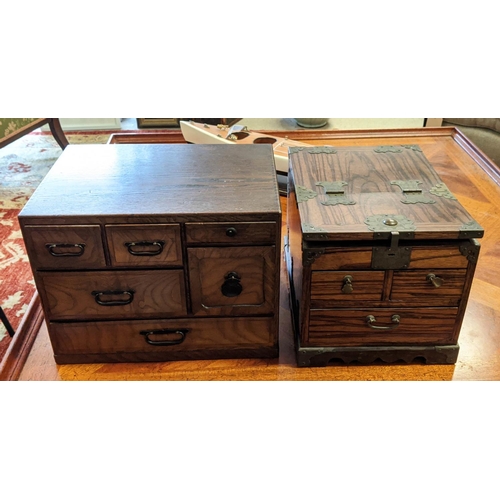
380 255
157 252
469 174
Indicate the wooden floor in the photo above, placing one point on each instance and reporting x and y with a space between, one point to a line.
470 176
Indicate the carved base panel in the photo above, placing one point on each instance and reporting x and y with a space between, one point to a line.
315 357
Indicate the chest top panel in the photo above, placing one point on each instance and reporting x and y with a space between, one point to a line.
368 192
156 179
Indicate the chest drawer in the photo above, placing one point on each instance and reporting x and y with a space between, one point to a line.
65 247
161 336
381 326
231 233
428 287
144 245
113 294
233 281
339 286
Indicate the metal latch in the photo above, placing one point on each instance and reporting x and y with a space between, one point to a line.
394 257
335 193
412 192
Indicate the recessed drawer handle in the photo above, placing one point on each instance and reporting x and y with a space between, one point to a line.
435 280
52 246
129 297
371 320
181 333
156 251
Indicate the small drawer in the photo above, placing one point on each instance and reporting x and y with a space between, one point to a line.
161 336
345 286
65 247
233 281
368 327
429 286
144 245
231 233
113 294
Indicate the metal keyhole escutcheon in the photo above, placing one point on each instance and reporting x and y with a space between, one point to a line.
231 286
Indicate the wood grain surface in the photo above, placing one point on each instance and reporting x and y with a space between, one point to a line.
471 177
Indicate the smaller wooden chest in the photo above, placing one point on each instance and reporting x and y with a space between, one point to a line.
380 256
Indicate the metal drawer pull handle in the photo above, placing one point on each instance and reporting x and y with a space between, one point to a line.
52 246
435 280
232 286
129 297
158 250
371 320
231 232
181 333
347 284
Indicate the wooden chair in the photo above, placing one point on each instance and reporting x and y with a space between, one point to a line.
12 129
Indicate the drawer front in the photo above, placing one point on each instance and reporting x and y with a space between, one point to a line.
160 336
349 327
65 247
231 233
232 281
429 287
144 245
342 286
113 294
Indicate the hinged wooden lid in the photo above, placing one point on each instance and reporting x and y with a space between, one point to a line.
362 193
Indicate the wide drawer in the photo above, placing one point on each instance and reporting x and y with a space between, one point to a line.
233 281
161 335
144 245
65 247
231 233
113 294
348 327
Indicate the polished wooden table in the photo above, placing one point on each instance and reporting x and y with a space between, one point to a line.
467 172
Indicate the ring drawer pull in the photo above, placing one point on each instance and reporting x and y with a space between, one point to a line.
232 286
129 297
52 246
231 232
156 251
181 332
435 280
347 284
371 320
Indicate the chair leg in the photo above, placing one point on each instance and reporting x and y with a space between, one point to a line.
57 132
6 323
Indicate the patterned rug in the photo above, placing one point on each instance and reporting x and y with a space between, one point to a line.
23 165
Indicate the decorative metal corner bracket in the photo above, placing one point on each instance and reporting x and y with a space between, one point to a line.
470 251
413 194
309 256
335 194
303 194
317 232
440 189
471 229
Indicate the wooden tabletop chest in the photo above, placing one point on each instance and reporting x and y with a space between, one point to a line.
157 252
380 256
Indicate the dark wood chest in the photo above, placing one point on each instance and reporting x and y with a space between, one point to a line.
380 256
157 252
